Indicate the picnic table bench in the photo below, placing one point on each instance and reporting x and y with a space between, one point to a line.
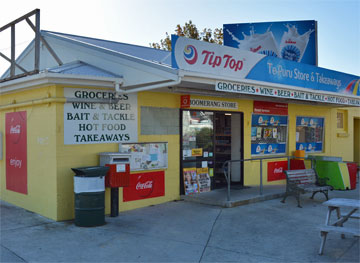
304 181
342 217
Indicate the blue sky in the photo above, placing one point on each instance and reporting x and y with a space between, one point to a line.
142 22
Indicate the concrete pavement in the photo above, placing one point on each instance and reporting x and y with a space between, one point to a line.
267 231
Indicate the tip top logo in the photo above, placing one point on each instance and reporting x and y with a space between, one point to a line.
190 54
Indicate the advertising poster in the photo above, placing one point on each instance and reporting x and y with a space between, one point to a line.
290 40
197 152
191 181
204 179
146 156
144 186
16 151
309 135
276 170
268 120
268 148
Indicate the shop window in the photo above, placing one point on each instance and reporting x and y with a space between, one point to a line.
268 134
341 123
340 120
310 134
159 121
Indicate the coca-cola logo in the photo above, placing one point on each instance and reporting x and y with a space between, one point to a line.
255 49
15 129
144 186
278 170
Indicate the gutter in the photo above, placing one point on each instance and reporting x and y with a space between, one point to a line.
118 90
44 78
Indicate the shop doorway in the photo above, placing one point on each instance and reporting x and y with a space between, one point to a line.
208 139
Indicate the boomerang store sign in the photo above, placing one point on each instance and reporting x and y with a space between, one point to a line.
91 122
234 87
199 56
187 102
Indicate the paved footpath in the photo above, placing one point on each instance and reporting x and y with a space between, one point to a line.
180 231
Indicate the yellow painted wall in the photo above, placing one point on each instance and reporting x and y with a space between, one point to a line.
252 169
41 145
357 140
50 179
342 142
69 156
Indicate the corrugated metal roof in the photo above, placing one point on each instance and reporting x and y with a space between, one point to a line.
145 53
81 68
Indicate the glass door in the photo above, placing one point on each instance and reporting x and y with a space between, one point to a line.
197 151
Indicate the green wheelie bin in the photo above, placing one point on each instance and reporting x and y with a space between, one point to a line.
89 190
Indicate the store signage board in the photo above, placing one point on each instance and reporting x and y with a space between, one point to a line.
291 40
268 107
275 70
16 151
199 56
91 122
188 102
242 88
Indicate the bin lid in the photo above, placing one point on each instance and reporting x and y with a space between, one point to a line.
91 171
325 158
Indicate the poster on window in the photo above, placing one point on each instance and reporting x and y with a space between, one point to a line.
204 179
309 133
191 181
268 134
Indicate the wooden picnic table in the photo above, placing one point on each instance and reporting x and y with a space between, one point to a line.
337 226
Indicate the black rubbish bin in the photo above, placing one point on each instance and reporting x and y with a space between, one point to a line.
89 189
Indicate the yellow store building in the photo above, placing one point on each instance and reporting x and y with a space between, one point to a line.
175 120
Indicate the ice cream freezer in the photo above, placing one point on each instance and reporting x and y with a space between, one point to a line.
341 174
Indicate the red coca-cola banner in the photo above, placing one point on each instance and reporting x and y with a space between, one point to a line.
16 151
145 185
276 170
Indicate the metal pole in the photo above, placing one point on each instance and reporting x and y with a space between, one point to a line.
12 66
288 162
228 179
37 40
114 202
261 179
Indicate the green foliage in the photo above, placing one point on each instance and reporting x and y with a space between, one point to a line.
190 30
204 139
